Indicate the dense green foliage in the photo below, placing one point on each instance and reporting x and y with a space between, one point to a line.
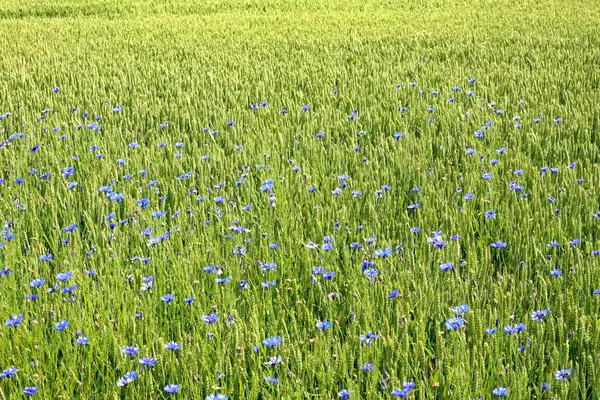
193 64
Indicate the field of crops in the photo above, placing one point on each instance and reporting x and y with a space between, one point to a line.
281 199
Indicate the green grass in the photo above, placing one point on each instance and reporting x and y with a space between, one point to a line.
201 64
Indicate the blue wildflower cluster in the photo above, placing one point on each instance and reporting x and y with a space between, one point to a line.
163 255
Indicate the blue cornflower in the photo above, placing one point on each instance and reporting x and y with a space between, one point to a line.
114 196
143 203
446 266
344 394
371 273
545 386
30 390
326 274
147 362
436 240
490 331
216 396
500 391
409 385
130 350
539 315
499 245
562 374
454 323
514 329
71 228
71 185
383 253
172 388
61 325
9 372
368 338
556 272
490 214
158 214
14 320
223 281
46 257
69 289
37 282
167 298
461 309
239 250
403 392
269 266
323 324
272 341
367 367
267 185
127 378
367 263
210 318
173 346
82 341
273 361
68 171
393 294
